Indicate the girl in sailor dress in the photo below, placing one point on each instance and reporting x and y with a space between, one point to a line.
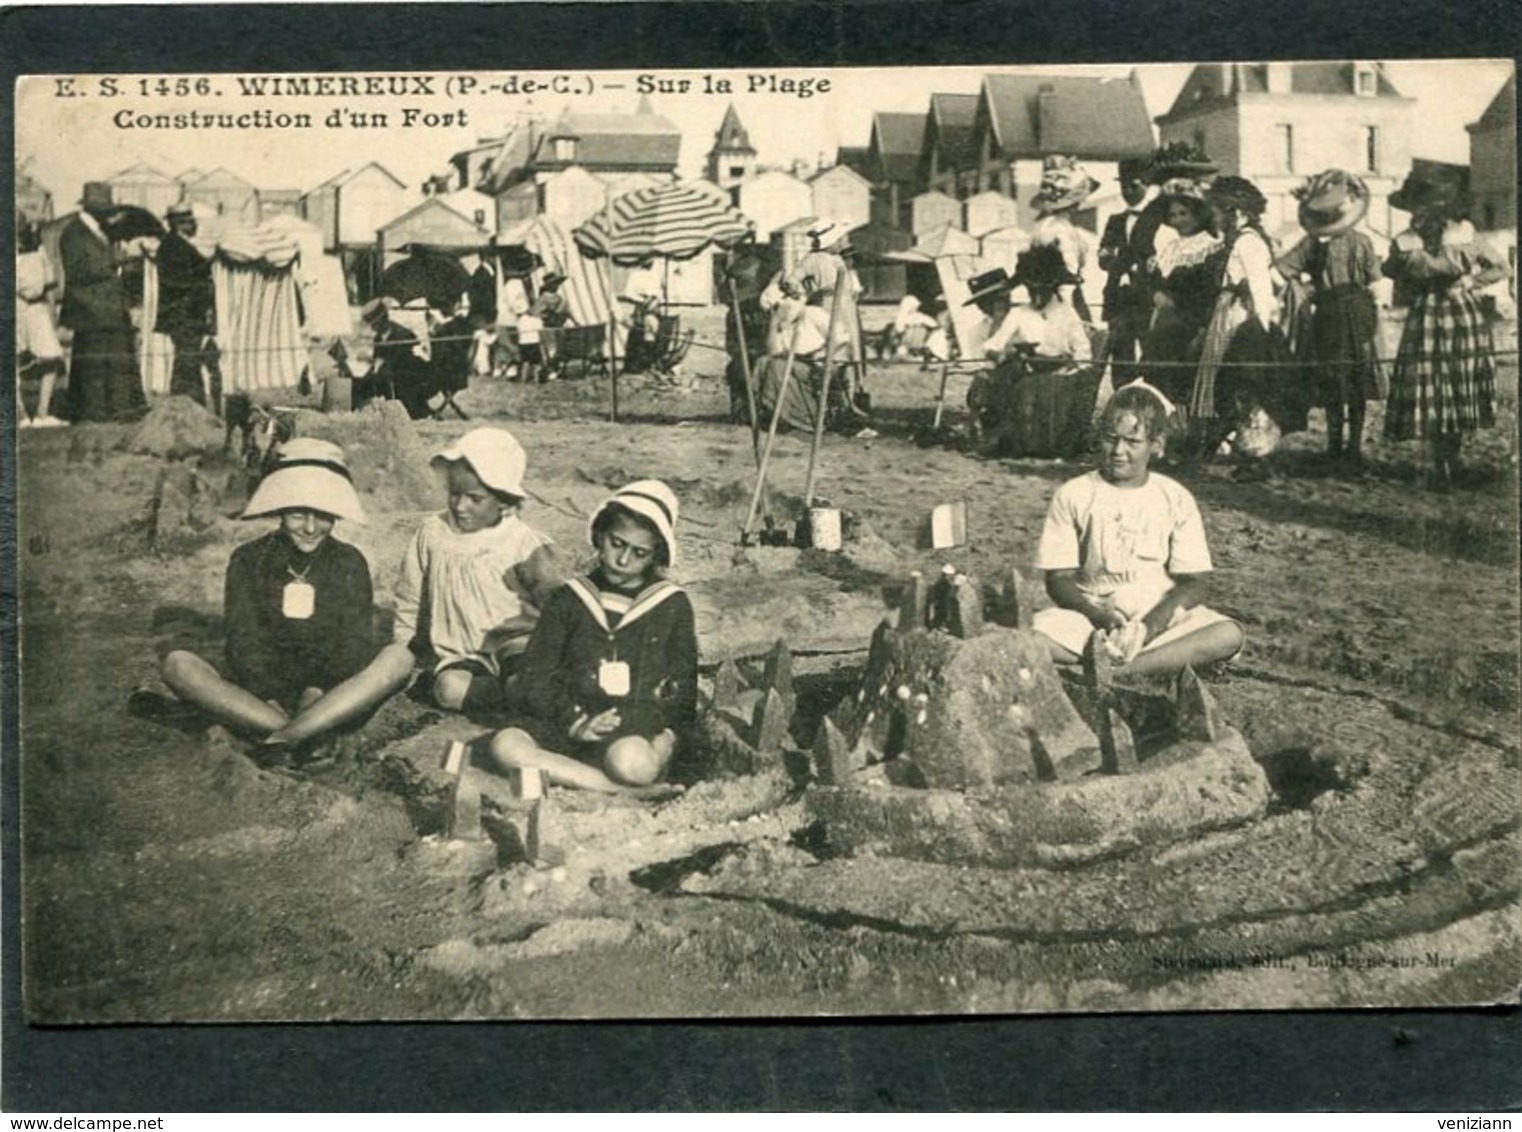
609 681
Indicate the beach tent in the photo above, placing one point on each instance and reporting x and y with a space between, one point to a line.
259 311
585 287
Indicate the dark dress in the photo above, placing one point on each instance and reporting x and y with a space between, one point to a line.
104 381
1172 345
652 632
277 657
187 314
1344 318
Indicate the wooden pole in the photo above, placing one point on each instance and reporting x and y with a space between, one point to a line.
824 396
607 223
750 387
940 398
771 439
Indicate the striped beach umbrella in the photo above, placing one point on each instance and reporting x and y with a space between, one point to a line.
674 221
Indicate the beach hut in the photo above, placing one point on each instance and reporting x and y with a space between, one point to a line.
438 222
929 212
842 194
773 200
988 211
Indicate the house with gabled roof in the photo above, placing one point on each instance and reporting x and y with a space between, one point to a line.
842 194
948 160
1493 160
1022 119
732 160
893 163
610 147
146 187
1278 123
455 220
224 193
350 207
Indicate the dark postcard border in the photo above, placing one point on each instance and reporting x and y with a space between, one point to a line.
1349 1060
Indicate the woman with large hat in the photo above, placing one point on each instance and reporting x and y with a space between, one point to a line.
1243 386
1443 384
1039 398
1065 187
1335 265
1186 279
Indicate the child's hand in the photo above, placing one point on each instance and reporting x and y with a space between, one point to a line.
597 727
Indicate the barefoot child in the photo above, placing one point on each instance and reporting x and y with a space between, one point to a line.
301 658
611 675
476 576
1124 553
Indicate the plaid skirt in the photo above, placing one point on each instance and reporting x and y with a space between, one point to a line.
1444 377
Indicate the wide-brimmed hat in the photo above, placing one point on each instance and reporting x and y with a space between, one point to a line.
828 233
551 279
1043 266
96 194
374 309
494 454
649 499
988 284
1331 202
1064 184
1179 160
311 475
1238 193
180 211
1430 189
1133 169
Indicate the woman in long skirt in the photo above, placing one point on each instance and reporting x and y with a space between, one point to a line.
1338 265
1443 384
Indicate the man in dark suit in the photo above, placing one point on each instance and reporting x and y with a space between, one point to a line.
104 381
1126 249
187 309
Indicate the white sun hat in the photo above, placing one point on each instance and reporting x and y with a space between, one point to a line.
312 475
649 499
494 454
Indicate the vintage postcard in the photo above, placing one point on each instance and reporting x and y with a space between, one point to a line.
767 542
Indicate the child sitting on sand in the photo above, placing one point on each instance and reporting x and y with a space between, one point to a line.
476 575
611 675
301 658
1125 555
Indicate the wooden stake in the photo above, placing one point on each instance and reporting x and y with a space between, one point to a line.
750 386
824 394
771 439
940 398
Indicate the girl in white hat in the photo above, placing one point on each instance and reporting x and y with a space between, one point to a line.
476 575
301 656
611 674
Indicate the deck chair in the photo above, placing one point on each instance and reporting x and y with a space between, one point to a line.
583 346
450 345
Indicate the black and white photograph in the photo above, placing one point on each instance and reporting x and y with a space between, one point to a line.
767 542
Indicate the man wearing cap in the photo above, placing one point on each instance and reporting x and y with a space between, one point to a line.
104 382
1130 241
187 309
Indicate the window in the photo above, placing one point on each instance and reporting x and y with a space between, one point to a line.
737 170
1371 149
1365 81
565 149
1284 147
1490 217
1199 141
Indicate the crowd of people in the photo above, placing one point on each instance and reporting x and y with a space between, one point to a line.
1241 335
1216 338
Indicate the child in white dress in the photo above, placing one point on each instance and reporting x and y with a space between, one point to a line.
476 576
1125 555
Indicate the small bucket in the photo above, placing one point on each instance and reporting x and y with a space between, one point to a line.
824 528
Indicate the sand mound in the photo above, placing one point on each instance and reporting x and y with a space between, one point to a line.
387 459
176 427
